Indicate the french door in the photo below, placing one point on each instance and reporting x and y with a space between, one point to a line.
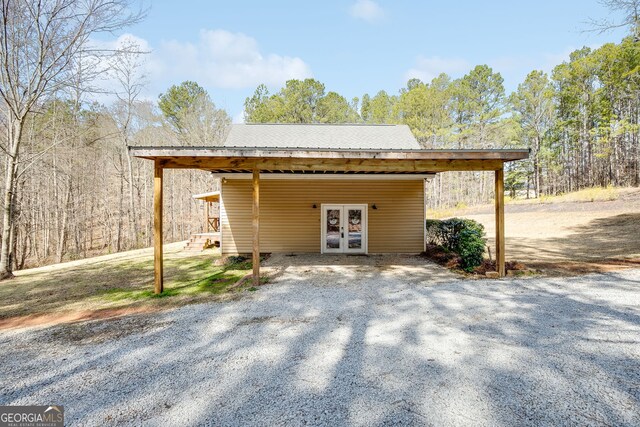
344 229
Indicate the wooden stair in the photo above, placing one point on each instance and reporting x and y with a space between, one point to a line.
199 242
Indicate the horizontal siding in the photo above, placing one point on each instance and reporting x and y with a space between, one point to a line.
288 223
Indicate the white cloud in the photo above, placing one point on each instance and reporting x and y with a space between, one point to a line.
228 60
219 60
106 84
122 41
367 10
513 68
150 64
427 68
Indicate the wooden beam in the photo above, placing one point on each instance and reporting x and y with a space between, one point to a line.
157 229
392 154
255 214
380 165
499 196
335 165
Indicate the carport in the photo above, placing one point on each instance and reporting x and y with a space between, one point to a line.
258 161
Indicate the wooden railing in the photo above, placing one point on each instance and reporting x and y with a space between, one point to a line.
213 224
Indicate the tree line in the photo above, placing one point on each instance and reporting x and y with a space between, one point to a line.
82 194
70 188
580 121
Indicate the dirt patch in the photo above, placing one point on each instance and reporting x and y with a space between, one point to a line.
578 268
510 266
569 238
71 317
441 257
452 261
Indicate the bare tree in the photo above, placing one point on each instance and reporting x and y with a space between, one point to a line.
629 17
126 68
41 45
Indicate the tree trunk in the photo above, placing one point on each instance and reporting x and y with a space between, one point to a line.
536 168
64 232
6 247
133 215
118 242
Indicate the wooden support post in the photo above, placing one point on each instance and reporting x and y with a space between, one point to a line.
157 229
206 216
256 227
499 196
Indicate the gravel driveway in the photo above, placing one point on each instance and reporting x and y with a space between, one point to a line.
372 344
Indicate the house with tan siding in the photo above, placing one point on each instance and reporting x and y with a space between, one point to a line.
327 211
323 188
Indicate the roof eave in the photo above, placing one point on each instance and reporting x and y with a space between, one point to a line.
153 153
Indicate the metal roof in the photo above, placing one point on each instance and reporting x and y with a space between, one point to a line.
321 136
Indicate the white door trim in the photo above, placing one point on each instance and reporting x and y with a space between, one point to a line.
323 225
363 237
344 233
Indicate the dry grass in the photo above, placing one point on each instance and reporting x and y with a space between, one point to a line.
443 213
595 194
117 283
570 234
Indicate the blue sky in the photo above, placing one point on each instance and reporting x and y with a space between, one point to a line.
354 46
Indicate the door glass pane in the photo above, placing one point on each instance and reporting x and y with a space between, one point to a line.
355 229
333 229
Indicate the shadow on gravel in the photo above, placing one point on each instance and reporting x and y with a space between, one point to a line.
370 349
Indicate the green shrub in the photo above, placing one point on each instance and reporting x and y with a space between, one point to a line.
470 247
462 236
